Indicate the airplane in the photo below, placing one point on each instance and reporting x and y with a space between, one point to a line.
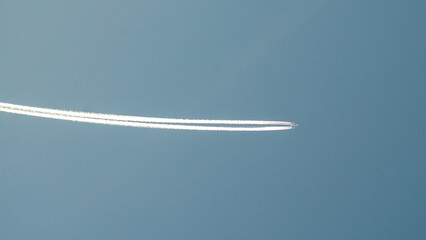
294 125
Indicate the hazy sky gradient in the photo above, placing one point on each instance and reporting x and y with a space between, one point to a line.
351 73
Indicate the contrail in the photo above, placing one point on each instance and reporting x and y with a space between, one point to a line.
145 122
141 119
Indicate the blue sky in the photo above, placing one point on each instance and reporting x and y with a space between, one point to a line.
351 73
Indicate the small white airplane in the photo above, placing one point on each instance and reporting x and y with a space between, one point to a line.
294 125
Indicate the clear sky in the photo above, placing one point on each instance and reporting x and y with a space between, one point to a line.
351 73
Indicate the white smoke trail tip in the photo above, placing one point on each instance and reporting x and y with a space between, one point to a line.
141 119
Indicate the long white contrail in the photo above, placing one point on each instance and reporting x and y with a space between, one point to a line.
145 122
141 119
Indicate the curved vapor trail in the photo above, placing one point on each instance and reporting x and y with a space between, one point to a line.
155 123
141 119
